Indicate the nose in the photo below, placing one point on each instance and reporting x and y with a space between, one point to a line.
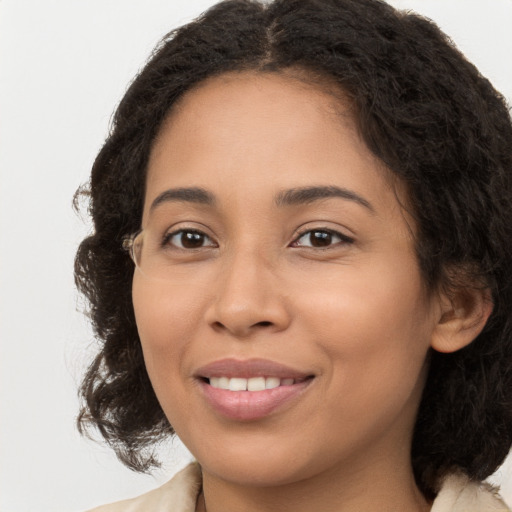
250 298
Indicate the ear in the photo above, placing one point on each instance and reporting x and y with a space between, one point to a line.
462 316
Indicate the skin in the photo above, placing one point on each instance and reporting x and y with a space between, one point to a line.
355 315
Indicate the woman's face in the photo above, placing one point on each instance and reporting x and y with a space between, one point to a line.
276 254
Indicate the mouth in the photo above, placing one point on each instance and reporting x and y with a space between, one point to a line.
251 384
251 390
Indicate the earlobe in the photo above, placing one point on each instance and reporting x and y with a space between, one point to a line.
462 318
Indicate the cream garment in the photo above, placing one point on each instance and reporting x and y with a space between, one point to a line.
179 494
457 494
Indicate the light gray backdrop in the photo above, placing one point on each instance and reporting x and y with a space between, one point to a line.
64 65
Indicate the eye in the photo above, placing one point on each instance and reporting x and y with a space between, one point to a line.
321 239
188 239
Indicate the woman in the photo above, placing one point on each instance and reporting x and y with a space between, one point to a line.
316 197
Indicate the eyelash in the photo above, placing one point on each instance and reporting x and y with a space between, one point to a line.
343 239
167 238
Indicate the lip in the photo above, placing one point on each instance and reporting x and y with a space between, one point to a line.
251 405
249 368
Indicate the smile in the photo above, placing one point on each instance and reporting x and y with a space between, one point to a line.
251 384
251 390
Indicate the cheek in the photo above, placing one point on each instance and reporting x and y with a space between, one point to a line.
375 328
165 321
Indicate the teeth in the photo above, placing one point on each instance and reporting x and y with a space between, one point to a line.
272 382
215 382
223 383
252 384
237 384
256 384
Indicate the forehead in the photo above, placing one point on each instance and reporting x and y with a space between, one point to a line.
253 131
281 87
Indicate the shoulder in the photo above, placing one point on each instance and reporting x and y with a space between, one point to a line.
460 494
177 495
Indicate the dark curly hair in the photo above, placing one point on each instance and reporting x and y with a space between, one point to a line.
422 109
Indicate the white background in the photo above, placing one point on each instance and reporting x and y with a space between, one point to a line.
64 65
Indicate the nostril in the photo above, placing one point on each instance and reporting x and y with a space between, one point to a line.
241 330
218 325
263 324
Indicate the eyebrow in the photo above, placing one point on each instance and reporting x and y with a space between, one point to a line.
291 197
188 195
305 195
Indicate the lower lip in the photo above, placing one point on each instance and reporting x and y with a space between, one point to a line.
251 405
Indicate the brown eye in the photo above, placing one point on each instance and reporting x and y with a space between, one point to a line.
188 239
321 238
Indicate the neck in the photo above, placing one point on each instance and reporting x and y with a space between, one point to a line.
375 488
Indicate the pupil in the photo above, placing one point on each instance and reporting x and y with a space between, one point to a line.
321 239
191 240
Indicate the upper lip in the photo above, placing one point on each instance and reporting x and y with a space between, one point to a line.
249 368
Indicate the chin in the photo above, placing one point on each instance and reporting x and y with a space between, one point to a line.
261 461
257 471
